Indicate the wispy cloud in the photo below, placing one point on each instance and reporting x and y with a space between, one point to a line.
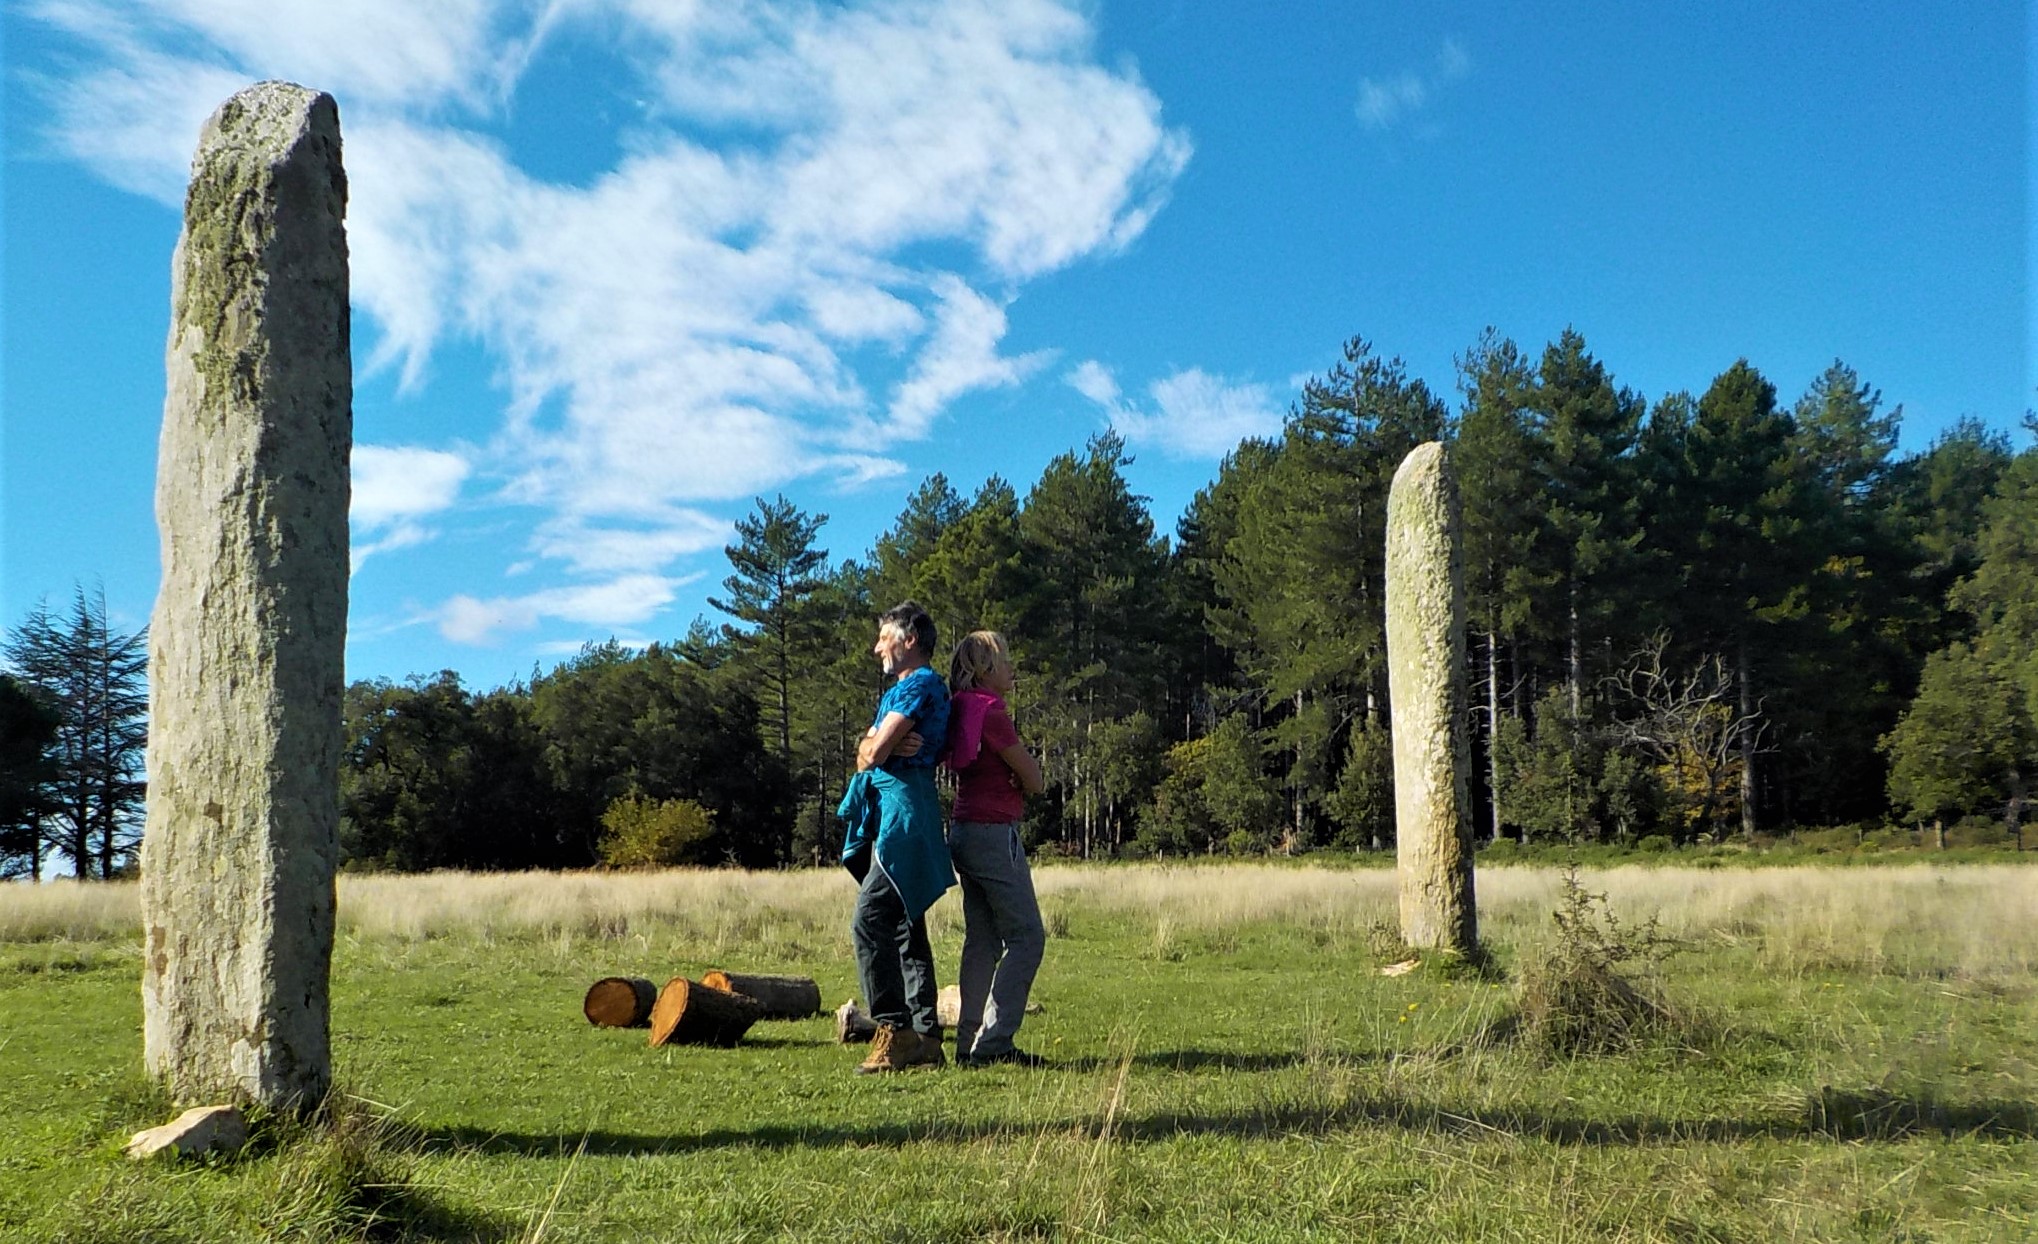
628 600
693 325
599 548
1384 102
961 355
395 487
1189 414
403 481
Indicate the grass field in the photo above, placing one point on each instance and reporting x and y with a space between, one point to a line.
1856 1059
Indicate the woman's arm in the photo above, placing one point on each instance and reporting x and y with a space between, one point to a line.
1025 769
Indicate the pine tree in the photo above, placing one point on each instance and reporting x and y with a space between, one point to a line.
28 728
776 563
95 679
895 560
1493 459
1297 588
2002 595
1585 431
1734 512
974 575
1841 430
1852 658
836 693
1209 680
1093 654
1944 490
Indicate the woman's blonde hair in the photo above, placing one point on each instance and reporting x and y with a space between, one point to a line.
978 654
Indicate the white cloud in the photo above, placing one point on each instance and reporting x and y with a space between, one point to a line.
134 112
1385 101
961 355
629 600
1095 381
1452 62
394 486
403 481
695 324
400 536
1380 103
608 549
1192 414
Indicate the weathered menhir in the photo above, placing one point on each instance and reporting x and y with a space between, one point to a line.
245 647
1427 692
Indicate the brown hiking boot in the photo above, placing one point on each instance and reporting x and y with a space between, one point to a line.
892 1049
929 1052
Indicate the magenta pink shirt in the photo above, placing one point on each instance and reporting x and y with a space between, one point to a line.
984 792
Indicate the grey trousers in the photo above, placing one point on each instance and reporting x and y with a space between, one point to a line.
894 963
1002 936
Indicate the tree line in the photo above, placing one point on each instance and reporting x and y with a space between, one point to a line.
1699 617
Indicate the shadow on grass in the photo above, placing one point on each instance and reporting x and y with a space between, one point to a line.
1188 1060
1877 1115
1828 1114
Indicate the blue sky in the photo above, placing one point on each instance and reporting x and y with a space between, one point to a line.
622 265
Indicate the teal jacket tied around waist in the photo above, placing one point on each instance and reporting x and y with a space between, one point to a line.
895 819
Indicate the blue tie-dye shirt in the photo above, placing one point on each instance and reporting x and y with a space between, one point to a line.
922 696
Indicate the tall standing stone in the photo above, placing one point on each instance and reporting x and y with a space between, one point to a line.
245 648
1426 687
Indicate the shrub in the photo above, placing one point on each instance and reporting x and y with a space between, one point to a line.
1574 997
1654 843
1977 831
653 833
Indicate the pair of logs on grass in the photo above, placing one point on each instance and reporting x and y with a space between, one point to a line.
716 1010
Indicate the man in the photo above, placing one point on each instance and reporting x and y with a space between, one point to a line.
895 846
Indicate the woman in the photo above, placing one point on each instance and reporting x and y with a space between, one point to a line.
1002 933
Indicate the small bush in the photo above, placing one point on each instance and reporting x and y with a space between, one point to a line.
1574 998
1383 942
1977 831
1653 844
653 833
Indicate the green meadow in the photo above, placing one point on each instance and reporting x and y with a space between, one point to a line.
1843 1054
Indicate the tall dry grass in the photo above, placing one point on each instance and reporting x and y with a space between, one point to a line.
75 911
1917 919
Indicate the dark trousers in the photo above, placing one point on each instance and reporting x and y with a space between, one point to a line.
893 959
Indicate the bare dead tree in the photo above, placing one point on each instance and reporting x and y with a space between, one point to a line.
1690 722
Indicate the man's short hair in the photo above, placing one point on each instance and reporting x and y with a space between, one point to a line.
909 619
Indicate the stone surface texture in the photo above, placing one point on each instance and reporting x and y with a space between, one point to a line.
1427 692
195 1133
245 646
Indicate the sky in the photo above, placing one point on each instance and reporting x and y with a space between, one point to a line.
620 267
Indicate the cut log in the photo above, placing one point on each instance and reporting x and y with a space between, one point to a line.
852 1026
782 997
620 1002
689 1013
948 1006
